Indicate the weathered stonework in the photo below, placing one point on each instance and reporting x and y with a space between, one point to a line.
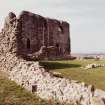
36 31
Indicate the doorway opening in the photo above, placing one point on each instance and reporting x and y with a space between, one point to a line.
28 43
57 45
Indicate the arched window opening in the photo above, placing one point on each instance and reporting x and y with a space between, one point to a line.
57 49
57 45
60 29
28 43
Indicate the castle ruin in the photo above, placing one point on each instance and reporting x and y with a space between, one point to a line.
28 35
35 33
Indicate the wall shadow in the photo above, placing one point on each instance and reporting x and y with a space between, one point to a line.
57 65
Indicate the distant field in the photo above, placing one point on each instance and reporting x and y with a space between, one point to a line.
73 70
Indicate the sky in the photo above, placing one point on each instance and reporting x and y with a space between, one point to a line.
86 18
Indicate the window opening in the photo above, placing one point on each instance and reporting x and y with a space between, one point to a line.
28 43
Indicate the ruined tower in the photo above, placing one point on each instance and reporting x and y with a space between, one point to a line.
33 31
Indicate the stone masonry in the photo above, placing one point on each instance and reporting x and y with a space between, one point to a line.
33 77
36 31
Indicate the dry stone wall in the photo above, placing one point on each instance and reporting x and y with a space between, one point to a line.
36 79
8 42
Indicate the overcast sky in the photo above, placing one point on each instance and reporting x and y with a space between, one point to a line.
86 18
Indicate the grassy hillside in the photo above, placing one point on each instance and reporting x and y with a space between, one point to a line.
73 70
12 94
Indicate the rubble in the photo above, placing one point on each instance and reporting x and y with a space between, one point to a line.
49 87
93 65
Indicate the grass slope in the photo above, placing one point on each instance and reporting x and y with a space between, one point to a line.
73 70
12 94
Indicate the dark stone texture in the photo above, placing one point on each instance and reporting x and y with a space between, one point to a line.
38 31
28 33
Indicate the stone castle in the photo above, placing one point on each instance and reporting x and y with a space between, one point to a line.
17 40
39 35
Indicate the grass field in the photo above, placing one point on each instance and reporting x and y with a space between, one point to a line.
73 70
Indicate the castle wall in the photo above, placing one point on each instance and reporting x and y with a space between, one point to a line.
37 31
59 30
